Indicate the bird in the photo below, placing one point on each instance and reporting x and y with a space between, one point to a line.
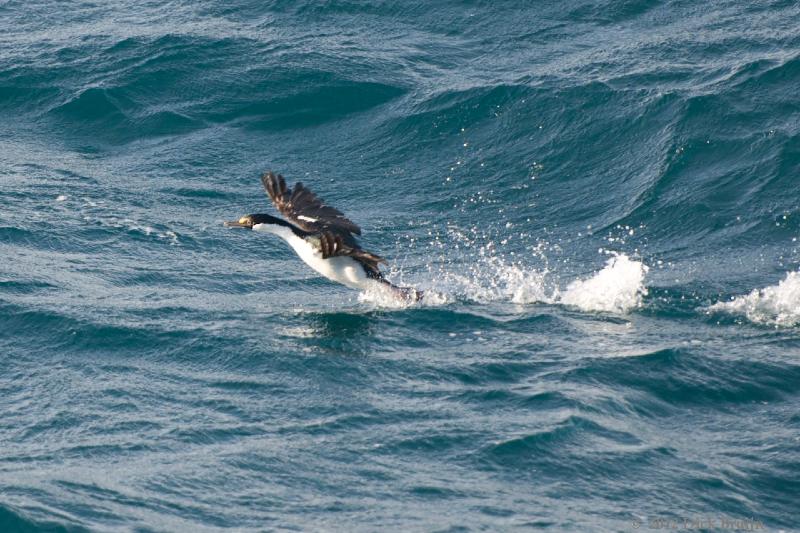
323 237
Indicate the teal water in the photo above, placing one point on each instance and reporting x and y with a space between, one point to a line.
601 199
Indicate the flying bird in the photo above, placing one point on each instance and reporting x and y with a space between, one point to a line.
323 238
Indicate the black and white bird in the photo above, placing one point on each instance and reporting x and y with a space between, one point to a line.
322 236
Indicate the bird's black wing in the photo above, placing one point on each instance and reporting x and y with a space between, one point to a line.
333 244
304 209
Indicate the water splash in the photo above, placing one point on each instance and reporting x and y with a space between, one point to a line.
475 272
476 265
491 278
775 305
617 288
382 298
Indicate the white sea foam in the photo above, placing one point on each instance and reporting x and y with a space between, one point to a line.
383 297
477 267
383 300
492 279
617 288
776 305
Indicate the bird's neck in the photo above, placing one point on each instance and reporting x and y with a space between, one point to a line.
285 230
271 224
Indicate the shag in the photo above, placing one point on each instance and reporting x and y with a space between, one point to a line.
322 236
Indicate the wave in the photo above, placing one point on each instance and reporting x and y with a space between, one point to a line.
775 305
114 112
125 114
619 287
158 85
676 377
24 286
316 98
545 450
704 157
57 330
16 521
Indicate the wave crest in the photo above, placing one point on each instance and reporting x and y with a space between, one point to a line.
775 305
617 288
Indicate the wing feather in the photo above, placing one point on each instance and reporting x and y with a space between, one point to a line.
308 212
332 245
304 209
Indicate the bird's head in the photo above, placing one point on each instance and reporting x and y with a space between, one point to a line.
248 221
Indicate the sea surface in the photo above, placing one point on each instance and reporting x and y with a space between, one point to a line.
601 200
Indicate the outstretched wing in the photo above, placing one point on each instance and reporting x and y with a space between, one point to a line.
304 209
333 244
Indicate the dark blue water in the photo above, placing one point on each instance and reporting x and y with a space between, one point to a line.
601 199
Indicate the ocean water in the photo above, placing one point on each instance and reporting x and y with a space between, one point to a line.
600 198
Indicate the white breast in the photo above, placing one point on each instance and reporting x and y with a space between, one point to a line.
344 270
